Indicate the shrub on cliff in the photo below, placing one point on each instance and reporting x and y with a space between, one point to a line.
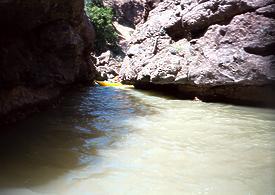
102 19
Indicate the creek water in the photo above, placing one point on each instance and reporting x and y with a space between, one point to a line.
102 140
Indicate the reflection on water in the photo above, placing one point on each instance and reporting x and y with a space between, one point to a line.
114 141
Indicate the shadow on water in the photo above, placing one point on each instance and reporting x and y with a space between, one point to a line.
59 140
162 94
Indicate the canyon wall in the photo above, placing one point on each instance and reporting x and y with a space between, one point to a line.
45 46
217 50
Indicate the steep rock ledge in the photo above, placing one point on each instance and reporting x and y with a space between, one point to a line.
218 50
44 46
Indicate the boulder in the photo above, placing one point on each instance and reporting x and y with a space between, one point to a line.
214 49
131 12
107 66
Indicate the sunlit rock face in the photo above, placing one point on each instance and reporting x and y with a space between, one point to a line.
215 49
131 12
44 46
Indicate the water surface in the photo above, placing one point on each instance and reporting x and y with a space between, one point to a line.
114 141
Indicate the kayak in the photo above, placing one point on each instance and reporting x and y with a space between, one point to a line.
108 84
114 84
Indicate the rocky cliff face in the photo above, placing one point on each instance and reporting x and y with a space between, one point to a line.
44 46
214 49
127 15
131 12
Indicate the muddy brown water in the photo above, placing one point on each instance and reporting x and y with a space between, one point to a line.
102 140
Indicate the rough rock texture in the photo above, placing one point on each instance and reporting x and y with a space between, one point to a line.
44 45
128 15
107 66
131 12
215 49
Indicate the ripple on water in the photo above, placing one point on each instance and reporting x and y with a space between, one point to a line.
113 141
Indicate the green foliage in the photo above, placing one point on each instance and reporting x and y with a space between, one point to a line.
102 20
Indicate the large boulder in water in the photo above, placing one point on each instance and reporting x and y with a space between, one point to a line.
44 46
215 49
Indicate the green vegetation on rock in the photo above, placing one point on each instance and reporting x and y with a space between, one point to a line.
102 19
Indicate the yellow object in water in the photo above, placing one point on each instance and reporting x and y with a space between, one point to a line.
108 84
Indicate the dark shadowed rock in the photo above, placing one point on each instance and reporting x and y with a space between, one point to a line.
217 50
44 46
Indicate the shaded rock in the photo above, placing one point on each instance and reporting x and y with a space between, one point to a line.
211 49
44 46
